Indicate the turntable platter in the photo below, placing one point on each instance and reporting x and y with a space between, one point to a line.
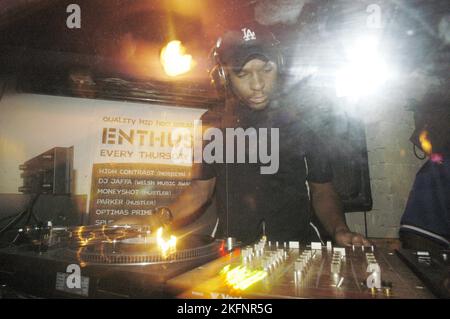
133 245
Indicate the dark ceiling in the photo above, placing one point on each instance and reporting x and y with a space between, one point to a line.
33 34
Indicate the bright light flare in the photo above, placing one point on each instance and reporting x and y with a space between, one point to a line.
166 247
364 72
174 59
241 277
425 142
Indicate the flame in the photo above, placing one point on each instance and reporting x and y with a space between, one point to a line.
165 246
241 277
425 142
174 60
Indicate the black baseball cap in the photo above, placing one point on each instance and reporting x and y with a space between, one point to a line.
242 44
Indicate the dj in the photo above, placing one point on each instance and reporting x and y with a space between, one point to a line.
248 64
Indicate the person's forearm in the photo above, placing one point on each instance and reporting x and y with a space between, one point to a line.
189 203
328 208
184 209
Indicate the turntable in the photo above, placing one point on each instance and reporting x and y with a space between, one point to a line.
135 262
111 261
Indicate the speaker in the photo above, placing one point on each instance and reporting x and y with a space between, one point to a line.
48 173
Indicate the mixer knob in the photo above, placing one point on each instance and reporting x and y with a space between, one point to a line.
302 262
273 259
335 267
298 266
305 258
307 254
294 245
302 257
340 250
247 254
266 263
280 256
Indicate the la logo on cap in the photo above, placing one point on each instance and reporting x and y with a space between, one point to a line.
248 34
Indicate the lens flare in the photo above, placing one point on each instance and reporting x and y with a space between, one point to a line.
364 72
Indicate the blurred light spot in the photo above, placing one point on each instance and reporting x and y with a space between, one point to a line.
241 277
165 246
174 60
425 142
437 158
364 71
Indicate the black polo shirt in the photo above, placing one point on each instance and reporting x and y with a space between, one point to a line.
246 198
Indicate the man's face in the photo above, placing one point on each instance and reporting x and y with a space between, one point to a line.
255 83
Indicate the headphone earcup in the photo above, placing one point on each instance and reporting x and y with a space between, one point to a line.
219 79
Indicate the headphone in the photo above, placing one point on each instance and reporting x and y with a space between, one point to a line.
218 75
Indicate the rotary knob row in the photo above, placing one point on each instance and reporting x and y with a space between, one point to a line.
336 262
370 258
273 259
303 261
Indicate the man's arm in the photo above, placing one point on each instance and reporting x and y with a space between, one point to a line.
185 209
188 204
328 208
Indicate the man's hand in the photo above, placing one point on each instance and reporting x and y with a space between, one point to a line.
347 238
328 208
